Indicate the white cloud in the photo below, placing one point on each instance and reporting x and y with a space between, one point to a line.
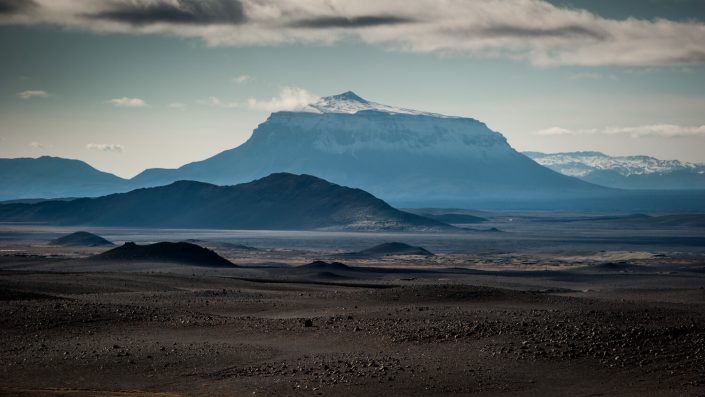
36 145
241 79
177 106
555 131
290 98
592 76
29 94
106 147
656 130
532 30
126 102
217 103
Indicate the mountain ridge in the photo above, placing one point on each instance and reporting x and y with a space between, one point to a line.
624 172
54 177
279 201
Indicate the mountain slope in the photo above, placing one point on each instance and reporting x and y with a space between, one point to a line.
279 201
52 177
625 172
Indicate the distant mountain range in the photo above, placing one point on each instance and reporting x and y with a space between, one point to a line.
624 172
408 158
53 177
279 202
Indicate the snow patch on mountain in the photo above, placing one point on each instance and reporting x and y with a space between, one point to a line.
350 103
346 132
580 164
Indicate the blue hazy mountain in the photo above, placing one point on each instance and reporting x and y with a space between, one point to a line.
404 156
52 177
625 172
279 201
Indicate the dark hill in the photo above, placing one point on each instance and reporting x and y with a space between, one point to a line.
455 218
81 239
280 201
389 249
185 253
221 245
325 266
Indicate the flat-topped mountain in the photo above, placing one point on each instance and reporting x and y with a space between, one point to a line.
81 239
404 156
279 201
185 253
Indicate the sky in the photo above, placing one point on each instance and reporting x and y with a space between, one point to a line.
127 85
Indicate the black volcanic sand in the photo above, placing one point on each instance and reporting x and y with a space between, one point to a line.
141 334
81 239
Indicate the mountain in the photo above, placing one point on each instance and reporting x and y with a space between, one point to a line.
52 177
185 253
81 239
625 172
277 202
389 249
407 157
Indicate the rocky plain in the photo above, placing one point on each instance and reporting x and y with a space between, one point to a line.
595 315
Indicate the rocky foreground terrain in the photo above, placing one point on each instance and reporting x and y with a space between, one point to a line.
81 334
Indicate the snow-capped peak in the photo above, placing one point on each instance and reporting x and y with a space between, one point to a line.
350 103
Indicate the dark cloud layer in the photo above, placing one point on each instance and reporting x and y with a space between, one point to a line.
197 12
8 7
552 36
563 31
353 22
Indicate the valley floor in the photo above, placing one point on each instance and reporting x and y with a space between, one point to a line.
535 310
164 334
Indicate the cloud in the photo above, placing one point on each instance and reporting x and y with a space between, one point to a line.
29 94
8 7
592 76
177 106
654 130
290 98
535 31
217 103
36 145
662 130
126 102
241 79
197 12
106 147
349 22
555 131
